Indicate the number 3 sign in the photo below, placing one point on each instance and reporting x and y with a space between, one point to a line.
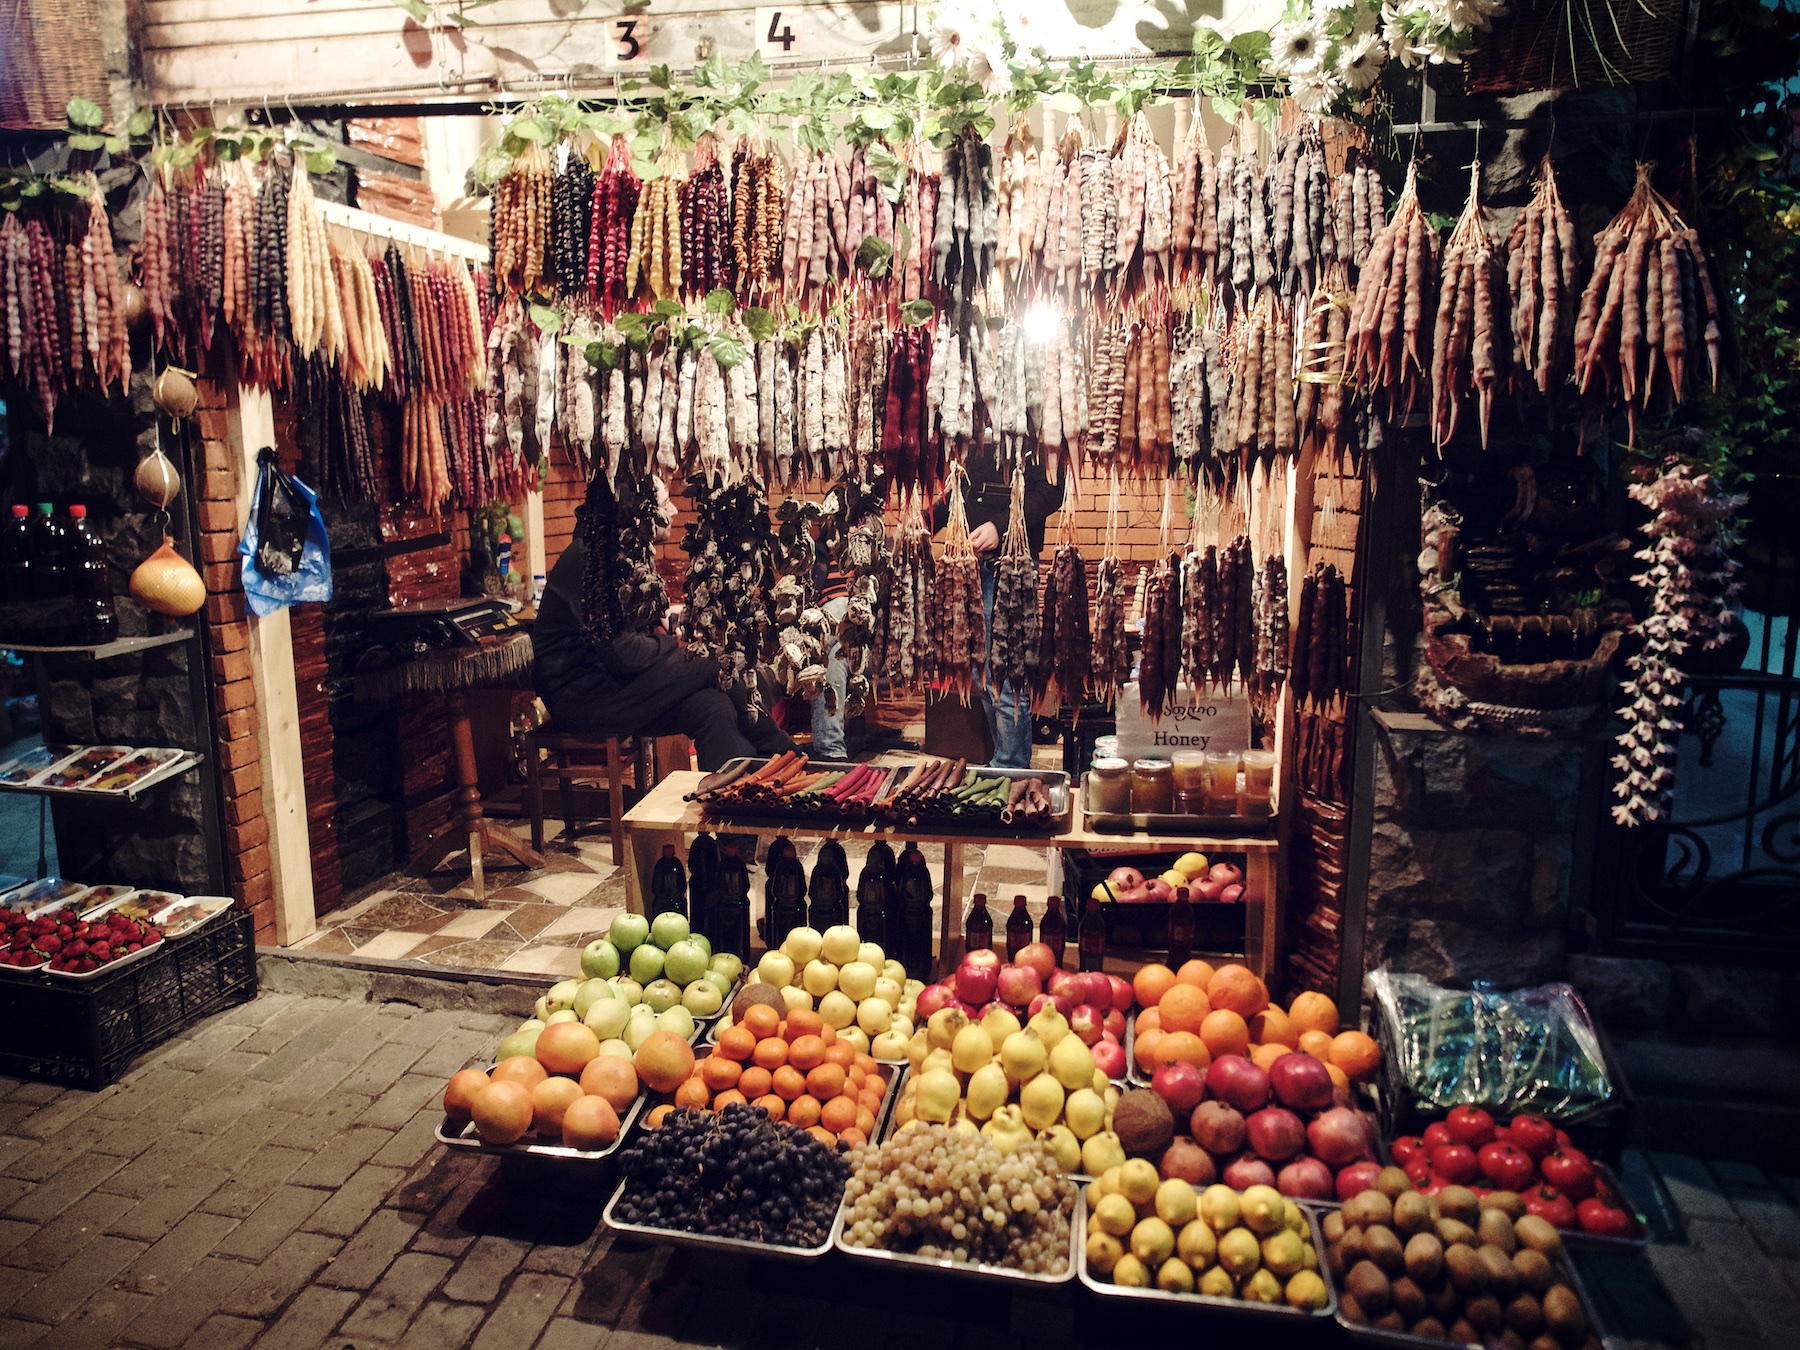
628 41
778 31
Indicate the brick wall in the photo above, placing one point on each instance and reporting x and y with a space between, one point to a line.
235 726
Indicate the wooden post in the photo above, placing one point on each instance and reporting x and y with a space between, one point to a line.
251 426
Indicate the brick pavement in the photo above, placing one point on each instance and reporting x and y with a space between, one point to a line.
269 1180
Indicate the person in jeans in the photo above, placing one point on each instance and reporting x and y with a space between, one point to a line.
828 722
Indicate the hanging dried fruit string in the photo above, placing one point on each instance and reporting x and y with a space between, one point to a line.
1111 665
1542 258
905 634
571 216
1017 623
1159 667
1469 347
956 619
615 201
1390 341
1269 590
705 223
522 214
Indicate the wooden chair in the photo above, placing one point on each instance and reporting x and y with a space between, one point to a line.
569 758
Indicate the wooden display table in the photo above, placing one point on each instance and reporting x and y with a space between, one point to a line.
663 817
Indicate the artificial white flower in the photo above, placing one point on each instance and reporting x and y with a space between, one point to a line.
1315 90
1464 15
1397 34
1297 46
951 36
988 68
1360 63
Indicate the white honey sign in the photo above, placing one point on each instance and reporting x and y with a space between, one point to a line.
1208 720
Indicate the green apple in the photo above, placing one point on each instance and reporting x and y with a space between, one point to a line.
802 945
668 928
837 1010
856 1038
796 997
719 980
616 1047
874 1015
531 1024
702 998
600 960
726 964
662 995
590 993
629 989
889 990
775 968
629 931
541 1010
519 1043
564 1015
819 978
646 963
677 1019
871 954
704 941
684 962
639 1025
607 1018
857 979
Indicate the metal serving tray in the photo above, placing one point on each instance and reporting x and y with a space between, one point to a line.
1163 826
969 1270
1056 787
1609 1184
674 1237
466 1138
1237 1305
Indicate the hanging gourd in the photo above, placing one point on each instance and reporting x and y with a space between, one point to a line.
167 583
174 393
157 480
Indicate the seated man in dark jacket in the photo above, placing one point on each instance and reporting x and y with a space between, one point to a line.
634 683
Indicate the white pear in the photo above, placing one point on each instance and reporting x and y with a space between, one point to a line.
988 1090
1023 1056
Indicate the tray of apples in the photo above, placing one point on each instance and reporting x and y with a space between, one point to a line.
1528 1155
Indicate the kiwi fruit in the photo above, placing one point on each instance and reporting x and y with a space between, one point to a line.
1535 1271
1466 1271
1458 1202
1351 1311
1412 1213
1503 1276
1429 1327
1509 1340
1484 1313
1444 1301
1409 1299
1495 1229
1462 1333
1509 1203
1332 1225
1334 1260
1370 1286
1424 1257
1391 1320
1383 1248
1351 1244
1455 1233
1366 1209
1563 1315
1525 1315
1392 1182
1539 1234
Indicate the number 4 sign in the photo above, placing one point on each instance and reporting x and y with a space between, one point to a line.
778 31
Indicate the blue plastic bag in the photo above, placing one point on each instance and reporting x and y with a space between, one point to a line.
286 552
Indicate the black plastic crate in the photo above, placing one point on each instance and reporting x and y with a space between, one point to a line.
85 1033
1144 928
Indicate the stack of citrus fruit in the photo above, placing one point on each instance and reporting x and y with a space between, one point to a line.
796 1068
1198 1013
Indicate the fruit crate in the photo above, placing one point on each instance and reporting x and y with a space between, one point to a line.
1143 929
86 1033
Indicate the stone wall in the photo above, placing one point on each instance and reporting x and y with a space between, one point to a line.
1471 853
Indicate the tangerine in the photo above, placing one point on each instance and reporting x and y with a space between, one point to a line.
1196 972
736 1043
1355 1052
520 1069
1184 1008
1338 1077
841 1053
870 1099
1272 1027
1183 1047
823 1135
693 1093
828 1034
1315 1043
1313 1011
1146 1048
825 1081
590 1123
719 1073
730 1097
804 1111
865 1120
755 1082
769 1102
1236 988
855 1136
761 1020
771 1054
611 1077
802 1022
1225 1033
461 1090
502 1110
856 1078
867 1063
549 1100
1151 982
657 1115
806 1053
1264 1056
1150 1019
838 1115
566 1047
789 1082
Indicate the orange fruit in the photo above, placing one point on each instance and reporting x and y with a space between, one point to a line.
789 1082
1145 1050
755 1082
870 1100
566 1047
855 1136
802 1022
737 1043
1183 1047
761 1020
1271 1027
856 1077
663 1060
829 1035
520 1069
1355 1052
769 1102
1150 1019
841 1053
611 1077
461 1090
1151 982
693 1093
838 1115
1225 1033
823 1135
867 1063
590 1123
865 1120
1315 1043
731 1097
1234 987
1263 1056
806 1053
502 1110
803 1111
719 1073
771 1054
1313 1012
549 1100
825 1081
1196 972
1183 1008
657 1115
1338 1077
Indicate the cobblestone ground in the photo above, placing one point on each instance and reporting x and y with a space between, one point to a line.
271 1180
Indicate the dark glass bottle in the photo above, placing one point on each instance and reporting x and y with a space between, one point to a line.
95 620
911 936
829 892
978 929
733 915
1093 936
703 876
784 893
15 557
49 555
668 885
1053 932
874 892
1018 929
881 853
1181 929
831 855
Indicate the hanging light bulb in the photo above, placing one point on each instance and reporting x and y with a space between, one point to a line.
1041 322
